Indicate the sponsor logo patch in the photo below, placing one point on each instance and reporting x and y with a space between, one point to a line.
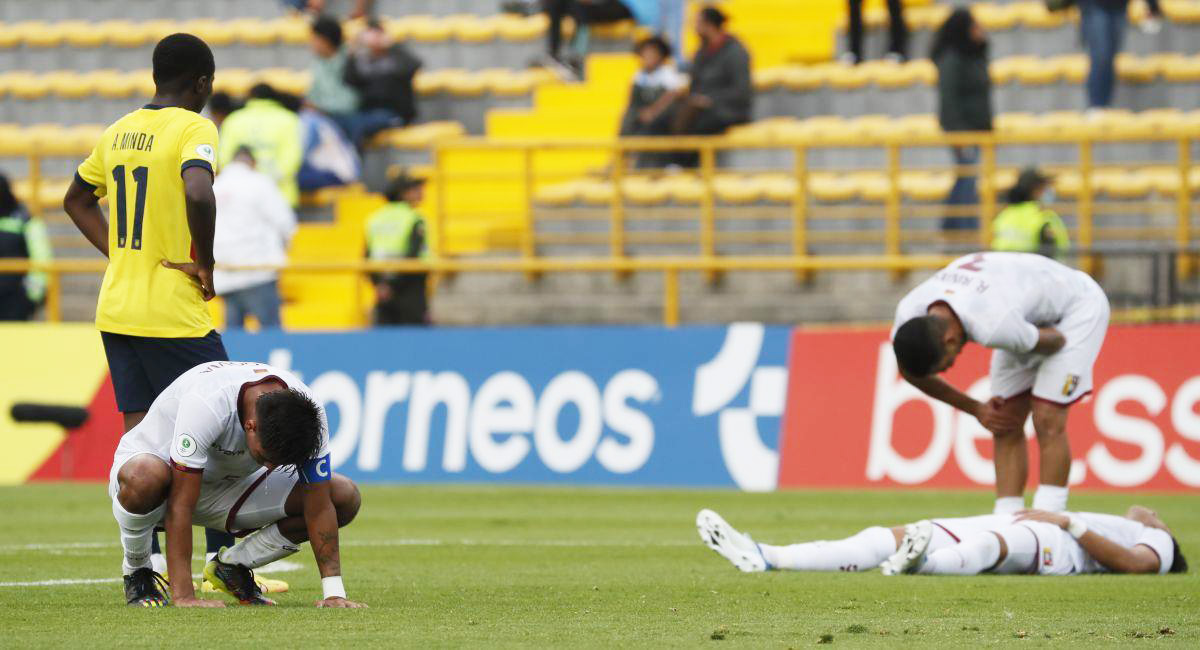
186 446
206 152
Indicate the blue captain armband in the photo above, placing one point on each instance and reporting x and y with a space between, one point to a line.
316 470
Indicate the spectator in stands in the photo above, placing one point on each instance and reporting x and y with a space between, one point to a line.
897 30
328 92
964 104
21 237
1026 225
272 133
584 13
220 105
254 225
656 87
382 72
394 232
1102 26
351 9
721 94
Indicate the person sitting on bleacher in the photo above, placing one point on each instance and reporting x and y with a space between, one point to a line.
1026 226
328 92
721 94
656 87
382 72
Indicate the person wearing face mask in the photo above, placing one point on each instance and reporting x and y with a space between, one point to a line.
964 104
1026 226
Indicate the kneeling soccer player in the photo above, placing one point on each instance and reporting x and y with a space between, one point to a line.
240 447
1030 541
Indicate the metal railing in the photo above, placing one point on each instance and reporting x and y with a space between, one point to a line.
1165 300
895 216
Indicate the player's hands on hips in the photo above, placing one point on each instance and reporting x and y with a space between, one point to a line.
201 274
1056 518
340 603
192 601
994 418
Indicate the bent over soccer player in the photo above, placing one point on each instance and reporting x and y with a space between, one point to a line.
1029 541
240 447
1045 323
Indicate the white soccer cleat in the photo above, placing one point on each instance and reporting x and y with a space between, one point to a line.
911 554
738 548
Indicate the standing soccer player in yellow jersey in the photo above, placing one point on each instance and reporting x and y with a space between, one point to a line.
156 167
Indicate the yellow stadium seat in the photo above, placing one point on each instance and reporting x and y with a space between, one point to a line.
777 187
285 79
1035 15
294 30
916 126
1038 72
28 85
466 84
70 84
79 33
926 186
1122 183
509 83
521 29
235 81
768 78
428 29
557 194
683 188
39 33
254 31
642 190
928 17
1184 11
473 29
802 77
849 77
419 136
995 16
1181 69
10 36
870 186
1135 69
113 84
737 189
1074 68
124 33
595 192
830 188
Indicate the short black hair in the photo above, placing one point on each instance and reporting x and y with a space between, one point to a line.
289 101
657 42
262 90
1179 563
289 426
179 60
713 16
918 345
328 28
401 184
222 103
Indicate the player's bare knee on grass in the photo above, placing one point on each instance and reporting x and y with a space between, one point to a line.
143 484
346 499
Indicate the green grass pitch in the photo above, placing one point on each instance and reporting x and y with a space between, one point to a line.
507 567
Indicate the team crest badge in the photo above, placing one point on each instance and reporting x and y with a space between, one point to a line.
1070 385
1047 557
206 152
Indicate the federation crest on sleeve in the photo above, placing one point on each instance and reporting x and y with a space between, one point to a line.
186 445
1069 386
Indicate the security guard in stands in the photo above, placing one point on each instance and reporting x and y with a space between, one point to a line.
21 237
1025 225
397 231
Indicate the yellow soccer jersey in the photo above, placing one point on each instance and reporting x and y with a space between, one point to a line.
139 165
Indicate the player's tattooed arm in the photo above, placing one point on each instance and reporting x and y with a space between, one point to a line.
1049 341
321 520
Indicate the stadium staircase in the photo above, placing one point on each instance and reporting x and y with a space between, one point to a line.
67 68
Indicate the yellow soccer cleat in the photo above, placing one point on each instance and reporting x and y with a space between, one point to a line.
268 585
237 581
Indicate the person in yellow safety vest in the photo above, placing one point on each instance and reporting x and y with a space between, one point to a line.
21 236
272 134
1026 225
397 231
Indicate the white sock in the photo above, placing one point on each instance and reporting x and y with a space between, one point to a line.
1052 498
972 556
136 534
158 562
263 546
858 553
1008 505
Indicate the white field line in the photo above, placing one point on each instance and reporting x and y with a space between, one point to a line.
280 566
570 543
284 565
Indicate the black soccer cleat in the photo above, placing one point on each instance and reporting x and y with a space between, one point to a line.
237 581
146 588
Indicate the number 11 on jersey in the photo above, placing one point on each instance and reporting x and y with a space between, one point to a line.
140 176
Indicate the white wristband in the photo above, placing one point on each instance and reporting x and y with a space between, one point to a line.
1076 527
332 586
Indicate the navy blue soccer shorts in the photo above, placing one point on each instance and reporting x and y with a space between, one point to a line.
142 367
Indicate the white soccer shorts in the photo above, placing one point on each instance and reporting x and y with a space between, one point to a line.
1065 376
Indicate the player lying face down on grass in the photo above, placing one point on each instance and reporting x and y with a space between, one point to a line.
237 446
1026 542
1045 323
